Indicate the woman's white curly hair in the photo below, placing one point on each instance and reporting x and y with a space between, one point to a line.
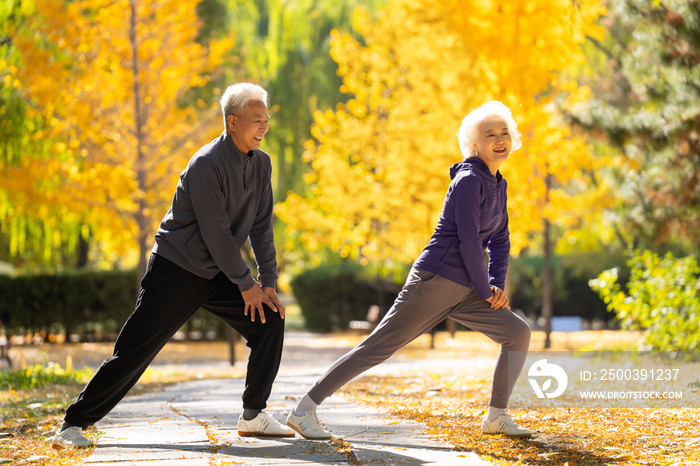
469 131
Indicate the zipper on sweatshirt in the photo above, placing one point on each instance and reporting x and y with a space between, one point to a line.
245 167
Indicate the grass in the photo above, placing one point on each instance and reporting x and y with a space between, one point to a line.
33 400
38 376
34 397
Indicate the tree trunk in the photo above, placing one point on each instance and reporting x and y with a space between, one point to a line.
142 247
451 327
344 297
231 336
547 274
282 173
547 287
83 249
140 217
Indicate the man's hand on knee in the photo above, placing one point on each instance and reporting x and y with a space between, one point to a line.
254 299
272 296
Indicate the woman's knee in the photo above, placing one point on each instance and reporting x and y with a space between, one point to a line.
518 333
523 333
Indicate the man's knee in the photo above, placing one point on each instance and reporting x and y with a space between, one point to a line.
274 323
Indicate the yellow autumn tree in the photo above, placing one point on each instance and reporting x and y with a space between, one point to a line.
111 79
380 165
380 168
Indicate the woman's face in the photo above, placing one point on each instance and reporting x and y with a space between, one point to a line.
494 143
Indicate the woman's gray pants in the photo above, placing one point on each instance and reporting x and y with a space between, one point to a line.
426 300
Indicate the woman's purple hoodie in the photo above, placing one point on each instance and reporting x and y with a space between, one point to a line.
474 217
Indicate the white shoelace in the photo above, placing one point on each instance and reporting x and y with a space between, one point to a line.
504 423
265 421
72 433
310 421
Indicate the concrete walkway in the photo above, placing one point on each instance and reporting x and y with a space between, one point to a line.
194 423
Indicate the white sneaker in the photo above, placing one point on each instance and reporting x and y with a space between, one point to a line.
505 425
308 425
263 425
71 437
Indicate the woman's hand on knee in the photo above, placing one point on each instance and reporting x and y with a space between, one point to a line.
498 299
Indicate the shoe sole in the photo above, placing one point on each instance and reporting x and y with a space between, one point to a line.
509 435
292 426
57 446
258 434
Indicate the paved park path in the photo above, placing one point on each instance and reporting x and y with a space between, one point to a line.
194 423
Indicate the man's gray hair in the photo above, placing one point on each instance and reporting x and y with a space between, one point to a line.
469 131
237 97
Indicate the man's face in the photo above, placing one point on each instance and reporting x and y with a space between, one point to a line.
248 129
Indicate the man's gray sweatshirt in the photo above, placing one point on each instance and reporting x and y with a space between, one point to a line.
223 197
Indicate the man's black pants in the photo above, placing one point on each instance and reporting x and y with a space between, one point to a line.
168 297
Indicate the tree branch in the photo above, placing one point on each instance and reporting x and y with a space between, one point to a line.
607 52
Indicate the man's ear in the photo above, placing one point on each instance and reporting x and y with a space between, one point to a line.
231 121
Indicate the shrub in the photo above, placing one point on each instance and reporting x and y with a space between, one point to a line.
71 300
332 295
662 298
92 304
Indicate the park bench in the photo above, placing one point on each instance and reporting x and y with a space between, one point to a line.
366 326
451 327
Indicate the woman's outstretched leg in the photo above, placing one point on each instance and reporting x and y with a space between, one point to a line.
425 300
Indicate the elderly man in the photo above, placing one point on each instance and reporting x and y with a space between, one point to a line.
224 196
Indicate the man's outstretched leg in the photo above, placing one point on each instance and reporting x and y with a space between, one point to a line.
168 297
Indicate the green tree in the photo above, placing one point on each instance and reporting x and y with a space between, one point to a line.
644 84
285 45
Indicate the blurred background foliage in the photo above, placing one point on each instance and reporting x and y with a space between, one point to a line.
103 102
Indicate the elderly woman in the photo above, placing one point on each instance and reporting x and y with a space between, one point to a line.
449 278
